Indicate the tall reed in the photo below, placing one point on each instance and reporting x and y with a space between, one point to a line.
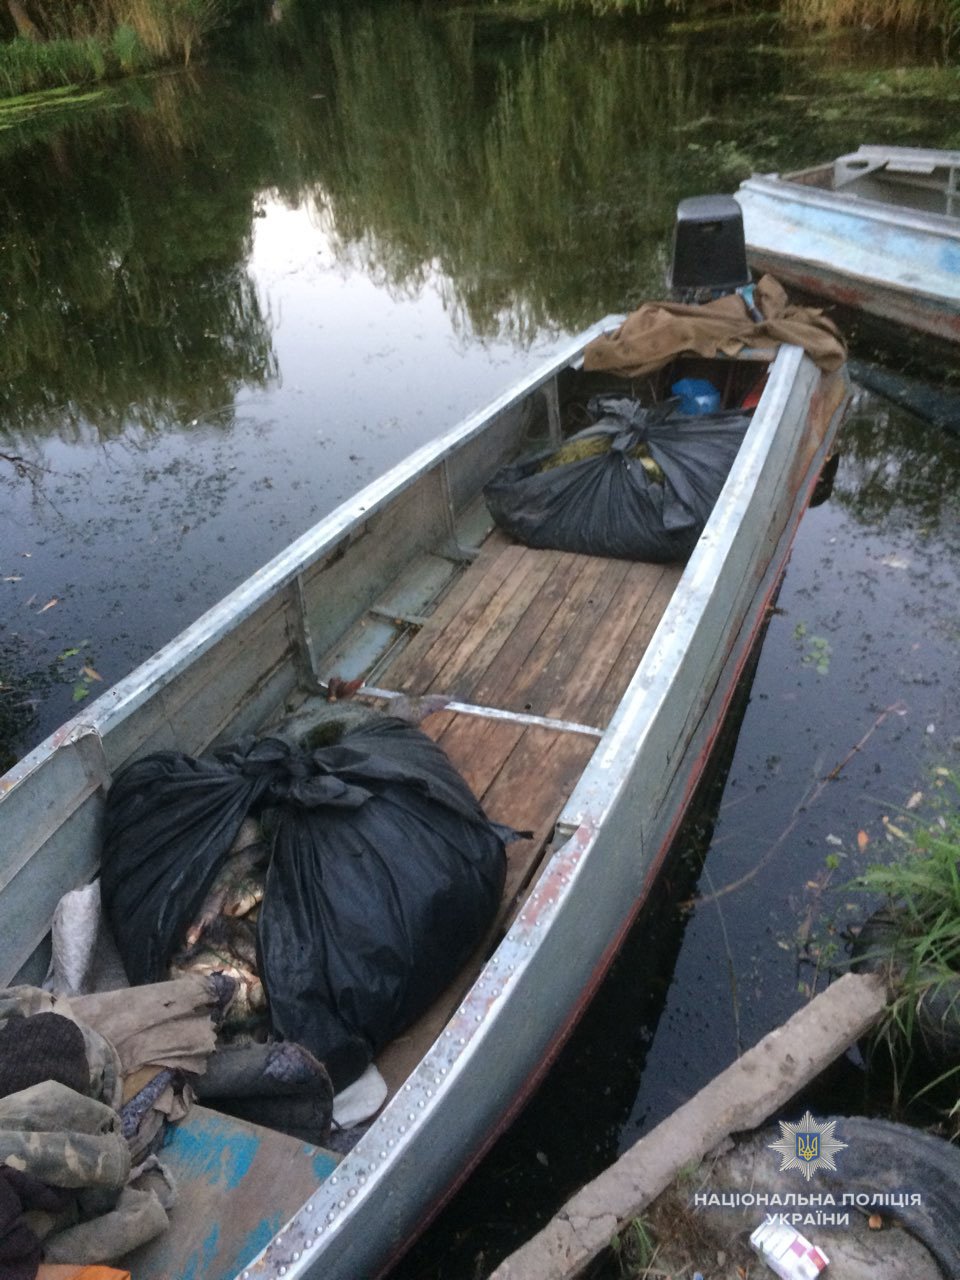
895 15
166 28
641 7
62 43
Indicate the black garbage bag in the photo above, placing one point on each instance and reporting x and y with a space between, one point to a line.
610 503
384 875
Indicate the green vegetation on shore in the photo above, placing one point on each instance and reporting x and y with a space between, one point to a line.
45 46
916 937
892 15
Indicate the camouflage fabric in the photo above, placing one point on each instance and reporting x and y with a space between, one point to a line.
71 1139
63 1138
136 1218
67 1140
130 1036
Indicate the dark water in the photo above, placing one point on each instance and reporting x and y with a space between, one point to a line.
231 296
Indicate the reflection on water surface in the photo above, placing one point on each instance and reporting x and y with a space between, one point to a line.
236 293
231 296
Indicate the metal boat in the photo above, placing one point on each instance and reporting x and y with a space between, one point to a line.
877 230
586 694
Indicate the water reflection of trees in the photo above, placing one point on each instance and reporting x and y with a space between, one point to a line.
124 252
533 179
543 193
540 174
898 470
529 171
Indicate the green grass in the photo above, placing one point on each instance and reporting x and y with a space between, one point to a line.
635 1249
922 952
83 44
29 65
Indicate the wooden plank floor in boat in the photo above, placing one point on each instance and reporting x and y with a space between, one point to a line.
537 633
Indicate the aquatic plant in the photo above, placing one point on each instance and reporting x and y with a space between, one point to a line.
25 680
816 650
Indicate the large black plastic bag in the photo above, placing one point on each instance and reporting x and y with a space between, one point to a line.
608 504
384 875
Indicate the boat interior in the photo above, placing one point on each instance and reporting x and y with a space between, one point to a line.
918 181
532 648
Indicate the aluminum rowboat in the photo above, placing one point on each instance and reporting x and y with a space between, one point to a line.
586 696
877 230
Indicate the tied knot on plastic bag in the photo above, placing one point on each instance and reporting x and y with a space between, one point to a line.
382 875
638 485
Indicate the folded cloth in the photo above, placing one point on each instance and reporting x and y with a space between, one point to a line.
162 1024
63 1138
657 331
20 1006
114 1047
136 1217
69 1141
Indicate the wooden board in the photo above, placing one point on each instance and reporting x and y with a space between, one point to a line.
543 633
548 633
240 1183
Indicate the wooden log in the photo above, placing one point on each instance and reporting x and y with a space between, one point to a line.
740 1098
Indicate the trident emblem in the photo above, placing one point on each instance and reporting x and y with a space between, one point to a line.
808 1146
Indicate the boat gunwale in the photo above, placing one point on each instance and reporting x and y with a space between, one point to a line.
900 216
934 156
625 733
925 155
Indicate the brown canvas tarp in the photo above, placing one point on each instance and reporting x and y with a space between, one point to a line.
652 335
